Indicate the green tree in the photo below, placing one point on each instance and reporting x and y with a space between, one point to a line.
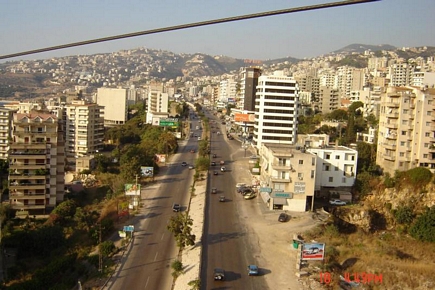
181 226
106 248
404 215
177 268
337 115
423 228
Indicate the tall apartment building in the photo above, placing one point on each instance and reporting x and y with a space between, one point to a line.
157 105
276 110
228 90
36 163
5 131
84 126
329 100
406 136
248 87
401 74
115 105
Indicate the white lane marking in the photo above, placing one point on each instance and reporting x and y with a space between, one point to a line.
148 279
155 258
162 237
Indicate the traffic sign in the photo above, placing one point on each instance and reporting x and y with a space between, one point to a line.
169 122
129 228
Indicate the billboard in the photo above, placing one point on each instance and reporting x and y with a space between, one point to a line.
169 122
244 117
313 251
147 171
132 189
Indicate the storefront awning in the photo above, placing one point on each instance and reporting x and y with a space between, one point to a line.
280 201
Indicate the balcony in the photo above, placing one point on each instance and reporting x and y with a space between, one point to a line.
281 166
278 179
390 146
391 125
391 137
392 115
391 104
390 157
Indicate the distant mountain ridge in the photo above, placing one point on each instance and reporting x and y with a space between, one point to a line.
360 48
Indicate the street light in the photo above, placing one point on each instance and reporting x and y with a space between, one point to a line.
245 146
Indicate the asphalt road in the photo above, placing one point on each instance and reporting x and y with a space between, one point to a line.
226 243
147 264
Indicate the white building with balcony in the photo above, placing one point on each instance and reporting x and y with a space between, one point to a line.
288 175
336 166
276 110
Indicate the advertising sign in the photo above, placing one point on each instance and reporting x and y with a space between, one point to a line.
169 122
313 251
299 187
244 117
132 189
147 171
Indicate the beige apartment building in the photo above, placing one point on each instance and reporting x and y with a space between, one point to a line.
36 163
5 131
406 129
288 175
84 129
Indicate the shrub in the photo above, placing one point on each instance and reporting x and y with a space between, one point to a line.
177 266
389 182
419 176
403 215
424 227
107 248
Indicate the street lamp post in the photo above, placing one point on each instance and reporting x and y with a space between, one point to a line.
245 146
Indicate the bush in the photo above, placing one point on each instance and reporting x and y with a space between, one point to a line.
107 248
404 215
419 176
389 182
424 227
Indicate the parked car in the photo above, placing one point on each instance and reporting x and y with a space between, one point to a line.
214 155
219 274
213 163
221 198
245 190
176 207
215 173
240 185
282 217
183 163
223 169
337 202
213 190
222 162
190 166
252 270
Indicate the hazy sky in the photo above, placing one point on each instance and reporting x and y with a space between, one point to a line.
31 24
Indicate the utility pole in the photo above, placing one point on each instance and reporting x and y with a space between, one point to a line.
100 256
136 199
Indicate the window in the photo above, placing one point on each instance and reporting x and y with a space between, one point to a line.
427 134
352 157
337 157
425 155
402 143
327 156
427 123
343 180
405 111
331 179
313 161
401 154
301 161
336 168
312 173
326 167
403 133
404 122
429 113
426 145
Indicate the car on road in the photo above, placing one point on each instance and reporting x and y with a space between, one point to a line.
223 169
221 198
190 166
213 190
213 163
215 173
192 151
282 217
249 195
176 207
214 155
218 132
183 163
337 202
199 138
245 190
219 274
252 270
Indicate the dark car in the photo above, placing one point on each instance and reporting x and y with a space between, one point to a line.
252 270
221 198
176 207
213 163
219 274
216 173
283 217
214 190
214 155
183 163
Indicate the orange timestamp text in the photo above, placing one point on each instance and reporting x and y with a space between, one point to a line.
363 277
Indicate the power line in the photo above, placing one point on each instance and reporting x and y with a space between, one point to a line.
190 25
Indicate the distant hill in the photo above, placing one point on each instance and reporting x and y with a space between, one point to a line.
360 48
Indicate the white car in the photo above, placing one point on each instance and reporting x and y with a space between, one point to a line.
337 202
223 169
